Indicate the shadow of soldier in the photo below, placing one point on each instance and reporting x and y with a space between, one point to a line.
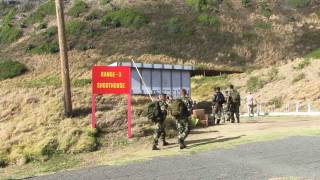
200 142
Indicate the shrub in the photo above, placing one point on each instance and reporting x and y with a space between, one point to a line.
51 31
93 15
246 3
315 54
298 3
126 18
10 69
43 25
81 82
3 161
273 74
265 10
205 5
302 64
298 78
263 25
45 48
276 101
208 20
84 46
254 83
50 148
43 10
9 34
78 8
177 26
104 2
74 27
9 16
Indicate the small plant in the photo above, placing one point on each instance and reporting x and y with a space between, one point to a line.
177 26
299 77
254 83
3 161
43 25
9 34
125 18
208 20
78 8
10 69
81 82
45 48
50 80
273 74
246 3
43 10
265 10
301 65
299 3
264 25
51 31
75 27
9 16
95 14
105 2
315 54
205 5
277 102
84 46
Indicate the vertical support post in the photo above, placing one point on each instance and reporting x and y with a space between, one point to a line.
129 116
63 58
93 111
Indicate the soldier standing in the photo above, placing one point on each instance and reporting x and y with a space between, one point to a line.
218 100
235 104
227 106
160 127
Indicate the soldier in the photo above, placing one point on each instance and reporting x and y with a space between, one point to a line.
227 106
182 119
160 127
235 104
217 100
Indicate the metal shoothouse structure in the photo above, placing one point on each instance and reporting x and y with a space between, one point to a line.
158 78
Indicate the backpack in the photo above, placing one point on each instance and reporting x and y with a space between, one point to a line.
179 108
235 97
220 98
153 111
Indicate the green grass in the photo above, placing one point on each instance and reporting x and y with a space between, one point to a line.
94 15
9 34
42 11
10 69
75 27
44 48
81 82
9 16
125 18
299 3
204 5
301 65
315 54
51 31
246 3
78 8
208 20
46 81
263 25
273 74
298 78
255 83
105 2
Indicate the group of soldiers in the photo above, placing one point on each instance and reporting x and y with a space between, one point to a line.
225 107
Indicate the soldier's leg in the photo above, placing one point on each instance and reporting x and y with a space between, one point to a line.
237 112
163 134
156 136
181 132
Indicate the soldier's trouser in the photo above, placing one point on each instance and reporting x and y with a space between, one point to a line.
235 112
159 132
217 112
183 128
250 109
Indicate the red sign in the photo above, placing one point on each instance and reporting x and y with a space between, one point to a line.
111 80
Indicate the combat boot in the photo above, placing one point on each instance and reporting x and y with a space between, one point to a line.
165 143
181 143
154 147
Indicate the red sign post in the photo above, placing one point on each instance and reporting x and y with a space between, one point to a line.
111 80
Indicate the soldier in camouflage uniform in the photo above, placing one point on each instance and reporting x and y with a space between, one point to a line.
235 104
182 122
217 101
160 127
227 106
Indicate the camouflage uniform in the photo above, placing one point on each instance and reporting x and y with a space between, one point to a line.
182 122
227 106
235 106
217 108
159 131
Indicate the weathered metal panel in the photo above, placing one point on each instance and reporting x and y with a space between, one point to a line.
166 81
147 77
185 76
156 81
176 83
135 82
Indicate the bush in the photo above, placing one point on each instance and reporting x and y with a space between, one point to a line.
246 3
177 26
51 31
43 25
276 101
208 20
205 5
315 54
263 25
273 74
93 15
43 10
254 83
299 3
126 18
104 2
3 161
10 69
9 16
74 27
78 8
81 82
45 48
298 78
302 64
9 34
84 46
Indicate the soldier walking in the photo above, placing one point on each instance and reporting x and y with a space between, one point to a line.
159 131
218 100
235 104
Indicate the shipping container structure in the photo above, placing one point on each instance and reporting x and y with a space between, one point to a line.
159 78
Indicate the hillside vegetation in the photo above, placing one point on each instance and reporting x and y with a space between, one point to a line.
279 36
